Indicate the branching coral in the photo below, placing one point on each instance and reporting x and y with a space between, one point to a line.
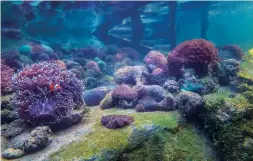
46 93
196 54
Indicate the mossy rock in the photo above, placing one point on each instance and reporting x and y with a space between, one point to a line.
246 72
105 144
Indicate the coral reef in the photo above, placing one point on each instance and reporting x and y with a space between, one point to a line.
45 93
116 121
6 76
197 54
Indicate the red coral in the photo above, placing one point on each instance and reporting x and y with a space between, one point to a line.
6 75
125 92
196 54
235 49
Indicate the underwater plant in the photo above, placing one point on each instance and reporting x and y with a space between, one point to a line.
45 93
197 54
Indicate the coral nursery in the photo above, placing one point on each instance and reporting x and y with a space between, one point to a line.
126 81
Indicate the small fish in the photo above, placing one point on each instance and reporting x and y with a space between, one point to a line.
54 87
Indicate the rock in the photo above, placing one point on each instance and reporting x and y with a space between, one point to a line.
94 96
172 86
231 67
73 118
18 141
13 129
5 102
107 102
248 145
39 138
116 121
8 116
188 103
154 91
209 85
12 153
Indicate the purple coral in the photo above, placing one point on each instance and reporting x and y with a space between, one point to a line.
235 49
156 63
196 54
127 52
6 75
45 93
116 121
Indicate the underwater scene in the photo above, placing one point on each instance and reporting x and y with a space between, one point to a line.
126 81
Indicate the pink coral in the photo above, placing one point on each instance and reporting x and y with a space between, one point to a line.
93 67
6 75
196 54
235 49
156 62
125 92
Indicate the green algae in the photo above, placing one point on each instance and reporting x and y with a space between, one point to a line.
102 141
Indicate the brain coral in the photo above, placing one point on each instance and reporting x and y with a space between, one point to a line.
45 93
196 54
6 75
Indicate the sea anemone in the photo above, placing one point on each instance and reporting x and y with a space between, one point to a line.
45 93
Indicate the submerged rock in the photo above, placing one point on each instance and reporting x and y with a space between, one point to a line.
39 138
188 103
172 86
94 96
116 121
13 129
12 153
107 102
